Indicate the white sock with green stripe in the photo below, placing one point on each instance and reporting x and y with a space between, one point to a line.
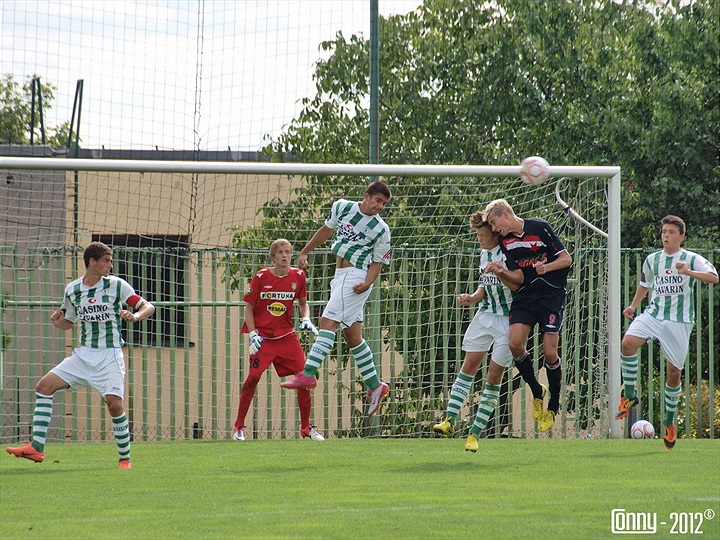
364 361
459 391
488 402
122 435
318 352
41 420
672 397
629 369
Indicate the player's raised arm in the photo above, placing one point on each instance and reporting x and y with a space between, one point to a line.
322 235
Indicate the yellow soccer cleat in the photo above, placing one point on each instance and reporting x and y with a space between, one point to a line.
445 428
537 407
547 421
471 445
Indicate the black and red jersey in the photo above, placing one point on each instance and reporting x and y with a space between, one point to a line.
537 243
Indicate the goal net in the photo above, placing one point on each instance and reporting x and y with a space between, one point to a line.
190 235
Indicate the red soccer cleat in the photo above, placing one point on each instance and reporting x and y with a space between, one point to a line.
27 451
300 381
125 464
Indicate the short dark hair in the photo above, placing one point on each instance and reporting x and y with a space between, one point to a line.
378 187
478 221
95 250
674 220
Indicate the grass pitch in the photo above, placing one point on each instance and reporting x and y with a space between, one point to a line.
361 488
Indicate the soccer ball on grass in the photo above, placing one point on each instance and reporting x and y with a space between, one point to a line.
642 429
534 170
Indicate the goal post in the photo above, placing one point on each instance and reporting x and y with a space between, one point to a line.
421 353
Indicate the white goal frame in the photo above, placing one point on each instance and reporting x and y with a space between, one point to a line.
612 173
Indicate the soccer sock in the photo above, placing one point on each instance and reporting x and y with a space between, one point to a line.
554 375
488 402
122 436
318 352
364 361
247 393
41 420
629 369
524 364
672 396
304 399
459 391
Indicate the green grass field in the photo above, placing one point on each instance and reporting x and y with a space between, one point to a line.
360 488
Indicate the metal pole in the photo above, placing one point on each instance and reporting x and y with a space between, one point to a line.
614 306
374 85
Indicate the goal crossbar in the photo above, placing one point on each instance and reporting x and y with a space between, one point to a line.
319 169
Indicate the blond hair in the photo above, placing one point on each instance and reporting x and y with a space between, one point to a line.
276 245
497 207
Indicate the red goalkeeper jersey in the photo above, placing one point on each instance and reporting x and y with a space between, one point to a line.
272 298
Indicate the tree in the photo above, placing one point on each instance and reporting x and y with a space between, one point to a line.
578 82
16 111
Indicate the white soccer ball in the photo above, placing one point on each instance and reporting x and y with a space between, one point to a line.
534 170
642 429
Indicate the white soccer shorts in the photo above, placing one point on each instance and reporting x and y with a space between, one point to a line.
101 369
486 330
345 305
674 337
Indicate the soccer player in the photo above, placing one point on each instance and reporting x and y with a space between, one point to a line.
669 317
95 300
537 261
269 302
362 246
489 328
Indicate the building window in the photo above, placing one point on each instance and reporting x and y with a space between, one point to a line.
155 267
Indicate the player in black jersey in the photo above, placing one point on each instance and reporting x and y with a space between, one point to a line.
536 260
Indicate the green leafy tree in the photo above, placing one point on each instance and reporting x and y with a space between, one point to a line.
16 112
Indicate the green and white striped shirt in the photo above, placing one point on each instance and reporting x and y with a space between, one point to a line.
360 239
498 298
98 310
672 295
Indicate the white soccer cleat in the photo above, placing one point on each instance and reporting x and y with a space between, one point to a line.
311 433
239 434
375 397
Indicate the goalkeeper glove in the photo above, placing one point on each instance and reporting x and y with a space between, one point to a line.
255 341
307 326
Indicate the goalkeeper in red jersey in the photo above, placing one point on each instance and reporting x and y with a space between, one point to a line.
538 262
269 300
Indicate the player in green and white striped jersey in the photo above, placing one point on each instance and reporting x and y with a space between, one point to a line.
669 275
96 301
362 246
489 328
